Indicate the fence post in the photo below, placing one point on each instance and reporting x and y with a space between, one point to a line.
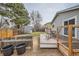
70 52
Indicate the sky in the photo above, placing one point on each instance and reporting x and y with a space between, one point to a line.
47 10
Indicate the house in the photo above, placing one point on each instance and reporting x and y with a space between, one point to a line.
27 28
65 17
6 26
6 22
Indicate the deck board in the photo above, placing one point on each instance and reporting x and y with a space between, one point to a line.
40 52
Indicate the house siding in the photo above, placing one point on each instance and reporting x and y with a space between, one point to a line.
59 20
78 28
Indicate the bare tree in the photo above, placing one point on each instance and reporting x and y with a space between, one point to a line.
36 19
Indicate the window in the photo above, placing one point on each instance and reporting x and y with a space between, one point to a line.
65 29
72 21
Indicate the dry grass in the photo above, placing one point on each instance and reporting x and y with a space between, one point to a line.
37 33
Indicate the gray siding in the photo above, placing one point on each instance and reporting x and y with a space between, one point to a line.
78 28
59 20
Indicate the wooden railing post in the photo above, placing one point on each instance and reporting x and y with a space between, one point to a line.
57 36
70 52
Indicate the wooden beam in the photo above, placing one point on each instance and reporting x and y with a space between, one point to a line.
70 52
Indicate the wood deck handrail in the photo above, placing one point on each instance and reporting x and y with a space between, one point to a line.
64 46
23 35
13 40
76 26
70 49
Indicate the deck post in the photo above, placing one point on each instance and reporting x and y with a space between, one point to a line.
57 36
70 52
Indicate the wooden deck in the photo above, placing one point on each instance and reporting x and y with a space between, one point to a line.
40 52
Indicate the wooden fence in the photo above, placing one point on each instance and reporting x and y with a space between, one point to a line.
7 33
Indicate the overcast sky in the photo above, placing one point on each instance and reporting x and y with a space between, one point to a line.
47 10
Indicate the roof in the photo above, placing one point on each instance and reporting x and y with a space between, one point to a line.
4 24
65 10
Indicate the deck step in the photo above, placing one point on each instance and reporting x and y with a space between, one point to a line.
48 45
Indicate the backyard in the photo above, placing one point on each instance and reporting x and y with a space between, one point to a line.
25 32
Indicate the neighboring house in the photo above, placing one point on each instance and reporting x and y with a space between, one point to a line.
65 17
6 22
27 28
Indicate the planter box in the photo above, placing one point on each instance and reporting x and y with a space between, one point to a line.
21 48
8 50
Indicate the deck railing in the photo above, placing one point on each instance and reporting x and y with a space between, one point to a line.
69 40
